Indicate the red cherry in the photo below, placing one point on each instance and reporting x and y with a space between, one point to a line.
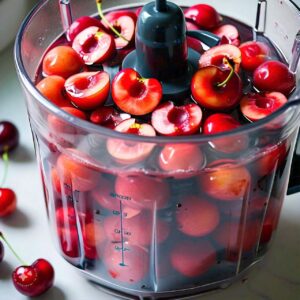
62 61
129 152
94 45
215 56
34 280
55 181
1 252
8 202
80 24
196 217
205 16
53 88
143 192
274 76
69 241
218 123
229 32
193 257
168 119
88 90
65 216
208 94
134 94
9 136
126 263
254 53
225 181
258 106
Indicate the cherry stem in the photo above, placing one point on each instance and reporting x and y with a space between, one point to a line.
116 32
229 76
5 159
12 250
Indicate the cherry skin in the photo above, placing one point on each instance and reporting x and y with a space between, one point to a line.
65 216
258 106
1 251
34 280
196 217
88 90
218 123
208 94
69 241
94 45
193 258
9 136
135 95
254 53
228 33
274 76
168 119
8 202
62 61
203 15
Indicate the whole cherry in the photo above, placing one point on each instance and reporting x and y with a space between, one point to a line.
8 202
9 136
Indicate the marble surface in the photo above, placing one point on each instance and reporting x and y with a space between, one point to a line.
276 278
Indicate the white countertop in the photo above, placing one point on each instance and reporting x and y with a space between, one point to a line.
277 278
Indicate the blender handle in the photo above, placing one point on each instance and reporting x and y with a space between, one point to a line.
204 36
294 183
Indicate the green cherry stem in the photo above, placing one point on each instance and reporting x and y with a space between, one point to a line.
229 76
116 32
12 250
5 159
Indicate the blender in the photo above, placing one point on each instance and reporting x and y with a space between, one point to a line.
136 229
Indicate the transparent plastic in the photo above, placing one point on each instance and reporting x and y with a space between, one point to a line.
135 226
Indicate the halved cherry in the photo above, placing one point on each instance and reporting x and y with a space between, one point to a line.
53 88
205 16
230 33
216 89
168 119
128 152
88 90
62 61
254 53
134 94
218 123
80 24
257 106
215 56
94 45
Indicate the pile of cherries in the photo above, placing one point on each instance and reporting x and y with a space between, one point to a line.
30 280
75 79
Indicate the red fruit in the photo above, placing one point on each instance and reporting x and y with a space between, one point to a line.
129 152
182 159
205 16
274 76
53 88
124 22
193 258
207 93
219 123
254 54
233 236
9 136
55 181
191 26
69 241
65 216
107 116
258 106
8 202
62 61
196 217
143 192
138 10
225 181
94 45
168 119
34 280
76 173
80 24
229 32
216 55
138 230
88 90
134 94
126 263
195 44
